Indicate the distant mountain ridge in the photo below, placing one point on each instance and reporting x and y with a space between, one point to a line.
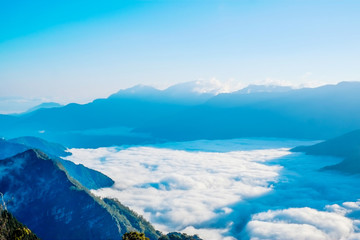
43 105
189 93
53 149
346 146
304 113
143 114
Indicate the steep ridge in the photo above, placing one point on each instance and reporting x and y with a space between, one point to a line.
55 206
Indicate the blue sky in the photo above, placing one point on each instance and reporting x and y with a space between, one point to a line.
75 50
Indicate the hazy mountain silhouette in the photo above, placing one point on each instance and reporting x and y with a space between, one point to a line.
343 146
137 91
145 115
305 113
346 146
188 93
128 109
43 105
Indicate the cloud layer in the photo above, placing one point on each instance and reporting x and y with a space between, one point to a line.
231 189
178 189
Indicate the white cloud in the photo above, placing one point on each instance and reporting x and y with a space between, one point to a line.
300 223
352 205
177 189
284 231
207 234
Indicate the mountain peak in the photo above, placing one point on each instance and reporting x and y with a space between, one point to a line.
33 154
24 159
43 105
140 88
194 87
137 90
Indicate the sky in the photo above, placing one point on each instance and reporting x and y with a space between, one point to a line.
80 50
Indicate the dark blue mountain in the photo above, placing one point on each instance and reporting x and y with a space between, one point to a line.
55 206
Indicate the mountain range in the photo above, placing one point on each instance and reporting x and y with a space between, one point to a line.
312 113
146 115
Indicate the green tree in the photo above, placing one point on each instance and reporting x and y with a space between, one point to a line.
134 236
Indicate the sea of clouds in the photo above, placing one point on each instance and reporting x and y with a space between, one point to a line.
231 189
